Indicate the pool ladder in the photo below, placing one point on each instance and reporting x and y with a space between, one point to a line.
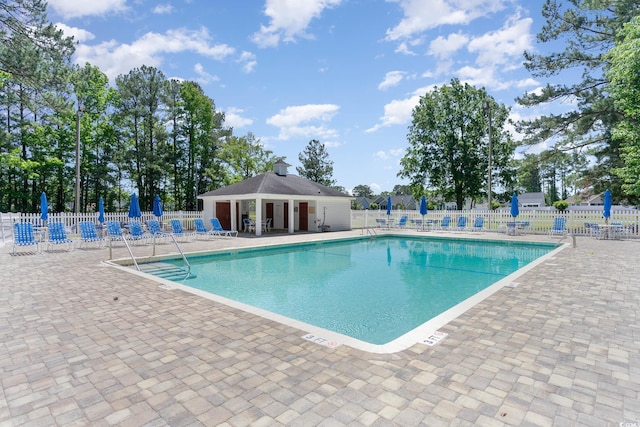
370 231
135 263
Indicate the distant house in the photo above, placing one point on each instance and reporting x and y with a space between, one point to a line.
531 200
594 200
293 203
585 198
397 202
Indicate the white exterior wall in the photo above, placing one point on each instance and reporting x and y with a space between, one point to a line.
337 214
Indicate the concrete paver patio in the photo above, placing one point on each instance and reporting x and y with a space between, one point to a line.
83 343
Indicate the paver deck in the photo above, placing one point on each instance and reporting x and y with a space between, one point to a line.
83 343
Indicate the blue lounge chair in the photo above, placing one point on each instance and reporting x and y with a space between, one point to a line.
114 231
58 236
403 222
461 225
136 232
89 234
381 222
178 232
558 227
444 224
478 224
201 230
217 228
155 230
23 236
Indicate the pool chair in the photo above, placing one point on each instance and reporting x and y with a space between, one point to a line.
136 232
444 224
23 236
478 224
58 236
558 228
217 228
114 232
381 222
461 225
178 232
201 230
89 234
403 222
155 230
248 226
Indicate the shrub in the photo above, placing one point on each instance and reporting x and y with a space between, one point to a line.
561 205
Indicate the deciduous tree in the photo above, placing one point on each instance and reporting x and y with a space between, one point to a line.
449 147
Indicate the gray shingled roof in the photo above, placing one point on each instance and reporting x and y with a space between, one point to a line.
270 183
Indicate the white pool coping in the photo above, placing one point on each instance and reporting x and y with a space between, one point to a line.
416 335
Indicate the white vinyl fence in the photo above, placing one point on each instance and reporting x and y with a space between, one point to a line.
540 221
71 220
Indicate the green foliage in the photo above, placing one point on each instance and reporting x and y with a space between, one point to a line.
316 165
448 143
585 31
561 205
362 190
624 77
244 157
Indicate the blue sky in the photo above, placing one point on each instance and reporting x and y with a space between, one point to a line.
344 72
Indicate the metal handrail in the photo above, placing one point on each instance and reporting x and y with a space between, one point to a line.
370 231
130 251
184 258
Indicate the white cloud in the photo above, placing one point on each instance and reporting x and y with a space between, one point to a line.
444 47
504 46
294 121
79 35
381 155
420 15
392 78
115 58
249 62
75 9
203 76
233 118
289 20
398 111
163 9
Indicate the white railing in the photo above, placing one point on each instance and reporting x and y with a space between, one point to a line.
539 221
71 220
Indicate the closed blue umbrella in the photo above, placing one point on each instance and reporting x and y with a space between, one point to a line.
157 206
423 208
101 210
388 210
607 206
515 211
134 207
44 206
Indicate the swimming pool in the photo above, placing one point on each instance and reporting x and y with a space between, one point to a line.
373 290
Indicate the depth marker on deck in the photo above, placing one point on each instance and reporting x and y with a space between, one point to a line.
321 341
434 338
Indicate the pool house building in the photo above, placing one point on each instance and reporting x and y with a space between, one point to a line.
292 203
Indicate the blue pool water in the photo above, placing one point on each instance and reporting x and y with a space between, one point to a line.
374 290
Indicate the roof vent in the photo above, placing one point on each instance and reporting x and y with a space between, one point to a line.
280 167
